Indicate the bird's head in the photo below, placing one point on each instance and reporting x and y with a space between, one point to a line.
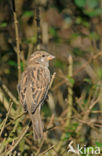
41 57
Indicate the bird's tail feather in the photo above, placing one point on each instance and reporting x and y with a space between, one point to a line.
35 117
37 126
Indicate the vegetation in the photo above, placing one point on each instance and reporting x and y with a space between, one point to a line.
72 114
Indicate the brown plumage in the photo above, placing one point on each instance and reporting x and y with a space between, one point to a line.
33 88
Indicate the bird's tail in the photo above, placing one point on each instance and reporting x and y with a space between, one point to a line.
37 125
35 117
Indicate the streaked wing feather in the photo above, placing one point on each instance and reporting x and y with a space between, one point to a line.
38 80
22 90
40 88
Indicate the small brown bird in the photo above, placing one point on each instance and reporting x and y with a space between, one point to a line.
33 88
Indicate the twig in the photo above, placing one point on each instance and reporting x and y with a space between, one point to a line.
15 119
10 94
86 114
97 111
37 13
50 122
5 119
52 79
24 131
70 92
90 124
89 61
50 128
70 101
30 50
5 102
17 39
43 153
79 70
37 154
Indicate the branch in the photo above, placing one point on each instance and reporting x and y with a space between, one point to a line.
10 94
24 131
17 39
70 91
52 79
6 119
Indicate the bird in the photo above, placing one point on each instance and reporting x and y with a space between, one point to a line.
33 88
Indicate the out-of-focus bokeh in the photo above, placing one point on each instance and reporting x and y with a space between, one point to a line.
72 113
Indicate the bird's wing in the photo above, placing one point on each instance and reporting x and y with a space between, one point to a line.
36 80
22 88
40 79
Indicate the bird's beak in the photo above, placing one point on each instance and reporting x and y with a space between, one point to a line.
50 57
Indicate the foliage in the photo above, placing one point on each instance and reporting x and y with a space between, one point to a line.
72 112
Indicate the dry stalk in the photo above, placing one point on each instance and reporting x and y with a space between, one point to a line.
5 120
70 92
85 117
24 131
17 39
89 61
5 102
70 102
43 153
30 50
79 70
45 136
52 79
12 121
12 97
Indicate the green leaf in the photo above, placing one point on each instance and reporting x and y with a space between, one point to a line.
77 52
80 3
12 63
22 145
93 13
59 64
46 110
71 80
92 3
94 36
99 144
67 135
28 13
74 126
3 25
87 80
99 72
52 31
80 20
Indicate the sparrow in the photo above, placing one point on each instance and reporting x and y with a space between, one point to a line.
33 88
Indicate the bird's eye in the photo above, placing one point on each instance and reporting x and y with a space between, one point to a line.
43 55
